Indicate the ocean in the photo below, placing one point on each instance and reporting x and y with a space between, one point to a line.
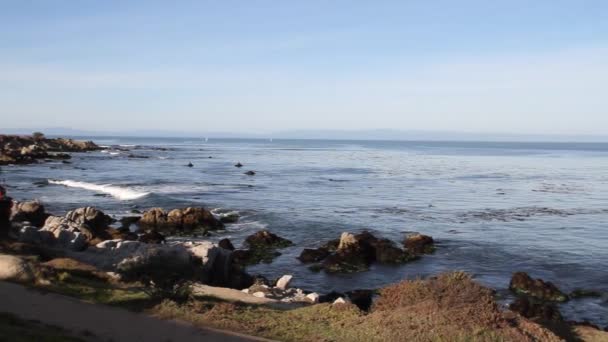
493 208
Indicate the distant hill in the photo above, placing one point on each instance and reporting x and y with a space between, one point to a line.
378 134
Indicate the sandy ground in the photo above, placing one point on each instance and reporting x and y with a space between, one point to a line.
104 322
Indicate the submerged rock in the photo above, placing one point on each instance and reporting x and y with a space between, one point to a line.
355 253
522 283
262 247
309 255
152 237
265 239
532 309
419 244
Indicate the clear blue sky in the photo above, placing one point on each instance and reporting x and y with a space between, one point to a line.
263 66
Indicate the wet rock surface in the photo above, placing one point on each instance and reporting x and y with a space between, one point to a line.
355 253
522 283
419 244
185 220
23 149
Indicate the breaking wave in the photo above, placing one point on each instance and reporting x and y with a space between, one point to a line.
120 193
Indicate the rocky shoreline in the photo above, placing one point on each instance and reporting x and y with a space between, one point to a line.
128 248
117 246
23 149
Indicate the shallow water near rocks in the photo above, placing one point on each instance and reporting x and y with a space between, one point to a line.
494 208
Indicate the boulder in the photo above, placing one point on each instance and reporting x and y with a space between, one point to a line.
34 235
536 310
67 234
283 282
266 240
152 237
309 255
263 247
231 217
339 301
94 219
194 218
522 283
15 269
127 221
419 244
355 253
388 253
155 217
361 298
181 219
30 211
226 244
313 297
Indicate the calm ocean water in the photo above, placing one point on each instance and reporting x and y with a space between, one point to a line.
494 208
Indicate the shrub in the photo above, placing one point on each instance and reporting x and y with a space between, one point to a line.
163 277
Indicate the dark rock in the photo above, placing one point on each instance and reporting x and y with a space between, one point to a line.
330 297
127 221
30 211
238 164
388 253
522 283
189 165
582 293
419 244
194 218
250 173
265 240
355 253
91 217
361 298
229 217
309 255
226 244
152 237
263 247
532 309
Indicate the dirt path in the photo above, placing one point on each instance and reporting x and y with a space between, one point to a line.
104 322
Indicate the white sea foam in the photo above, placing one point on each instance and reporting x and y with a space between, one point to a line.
121 193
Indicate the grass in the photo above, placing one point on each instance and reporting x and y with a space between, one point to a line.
449 307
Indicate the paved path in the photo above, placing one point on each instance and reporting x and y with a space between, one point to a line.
105 322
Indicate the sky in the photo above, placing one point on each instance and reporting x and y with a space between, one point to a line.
524 67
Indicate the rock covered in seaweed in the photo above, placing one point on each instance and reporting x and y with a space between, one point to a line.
419 244
262 246
522 283
355 253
